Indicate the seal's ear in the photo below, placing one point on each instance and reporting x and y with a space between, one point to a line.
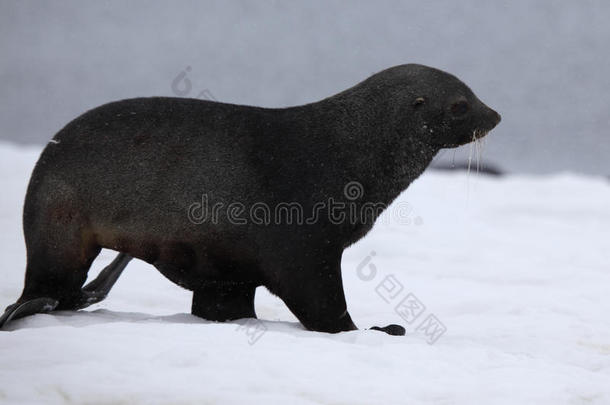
418 102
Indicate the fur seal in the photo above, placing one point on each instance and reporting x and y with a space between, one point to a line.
125 176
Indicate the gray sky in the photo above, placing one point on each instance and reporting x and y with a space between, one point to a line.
544 66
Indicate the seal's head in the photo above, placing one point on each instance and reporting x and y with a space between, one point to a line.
435 107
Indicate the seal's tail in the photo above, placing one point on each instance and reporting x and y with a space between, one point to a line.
91 293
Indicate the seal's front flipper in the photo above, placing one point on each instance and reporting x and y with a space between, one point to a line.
394 330
31 307
314 294
99 288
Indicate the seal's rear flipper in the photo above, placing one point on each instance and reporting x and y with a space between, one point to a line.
98 289
394 330
93 292
31 307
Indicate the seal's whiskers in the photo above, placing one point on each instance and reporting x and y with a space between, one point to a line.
477 146
481 143
474 138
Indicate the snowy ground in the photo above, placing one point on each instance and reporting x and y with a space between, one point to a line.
516 269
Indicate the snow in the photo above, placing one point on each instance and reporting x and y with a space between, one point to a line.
515 268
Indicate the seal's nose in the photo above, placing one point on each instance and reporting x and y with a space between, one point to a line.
495 117
490 118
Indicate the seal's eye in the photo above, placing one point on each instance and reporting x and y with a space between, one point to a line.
419 101
459 108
